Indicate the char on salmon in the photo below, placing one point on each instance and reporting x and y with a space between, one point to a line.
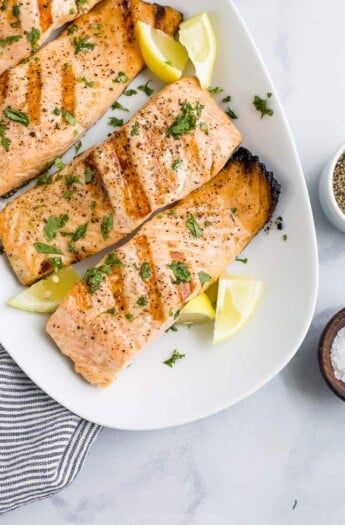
47 103
108 191
25 26
136 292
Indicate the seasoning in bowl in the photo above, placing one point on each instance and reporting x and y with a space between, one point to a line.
338 355
339 182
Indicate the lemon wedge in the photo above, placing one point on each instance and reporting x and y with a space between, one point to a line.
212 293
162 54
197 310
197 36
46 295
237 300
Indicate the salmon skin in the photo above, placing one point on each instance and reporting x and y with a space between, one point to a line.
25 26
136 292
109 190
49 102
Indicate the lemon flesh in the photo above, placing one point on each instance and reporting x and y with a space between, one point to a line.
237 300
197 310
161 53
197 36
46 295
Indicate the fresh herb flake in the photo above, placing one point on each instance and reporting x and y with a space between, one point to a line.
243 261
117 105
68 117
115 122
215 90
17 116
261 105
145 271
33 37
86 82
78 146
107 226
83 44
80 232
135 130
230 112
177 164
193 226
142 301
180 271
175 356
204 277
130 92
121 78
146 88
41 247
53 224
56 262
186 121
8 40
88 175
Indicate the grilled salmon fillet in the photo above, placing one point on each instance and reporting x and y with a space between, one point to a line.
109 190
25 26
49 102
136 292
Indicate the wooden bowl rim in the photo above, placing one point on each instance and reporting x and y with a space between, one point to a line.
326 340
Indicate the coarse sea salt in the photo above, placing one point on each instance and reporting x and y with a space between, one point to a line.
338 355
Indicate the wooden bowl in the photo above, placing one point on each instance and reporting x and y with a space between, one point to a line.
335 324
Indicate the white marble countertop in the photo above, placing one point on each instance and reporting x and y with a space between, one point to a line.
284 447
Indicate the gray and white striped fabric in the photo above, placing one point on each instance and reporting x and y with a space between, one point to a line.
42 445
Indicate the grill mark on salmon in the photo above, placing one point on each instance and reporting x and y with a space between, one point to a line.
135 200
117 279
143 251
160 14
101 346
4 81
68 89
34 91
110 53
125 192
45 14
184 289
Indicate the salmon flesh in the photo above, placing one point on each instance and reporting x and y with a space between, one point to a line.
25 26
47 103
109 190
136 292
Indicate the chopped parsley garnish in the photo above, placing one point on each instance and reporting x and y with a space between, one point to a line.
177 164
83 44
243 261
43 179
53 225
59 164
233 210
172 328
207 224
204 127
71 248
230 112
78 146
72 29
145 271
107 226
80 232
17 116
8 40
142 301
204 277
16 11
171 213
57 111
121 78
93 278
93 205
68 117
226 99
71 179
111 311
173 358
130 92
3 6
117 105
261 105
86 82
72 11
40 247
135 130
215 90
180 271
146 88
88 175
115 122
68 194
4 141
130 317
33 37
56 262
285 237
193 226
186 120
96 26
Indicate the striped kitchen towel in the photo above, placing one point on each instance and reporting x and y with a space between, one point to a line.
42 445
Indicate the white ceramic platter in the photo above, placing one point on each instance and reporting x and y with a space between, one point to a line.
149 394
